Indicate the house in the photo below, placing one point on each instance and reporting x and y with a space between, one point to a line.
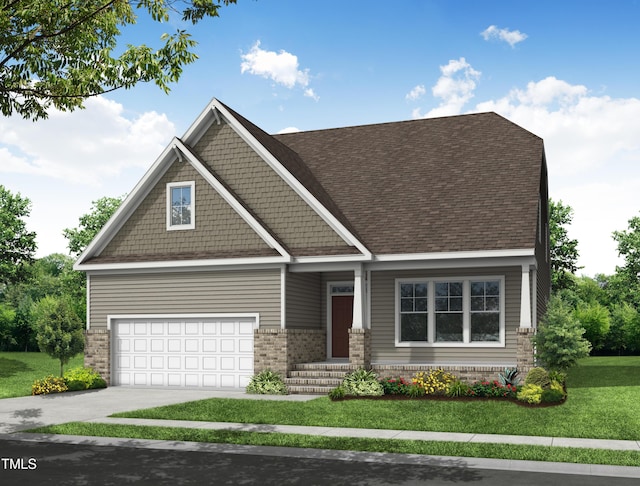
396 246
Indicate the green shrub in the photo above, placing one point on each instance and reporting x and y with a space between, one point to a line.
50 384
434 382
337 393
551 395
83 378
558 376
395 386
538 376
530 394
492 389
416 391
267 382
458 389
362 383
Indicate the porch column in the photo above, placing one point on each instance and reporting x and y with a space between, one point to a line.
358 295
525 298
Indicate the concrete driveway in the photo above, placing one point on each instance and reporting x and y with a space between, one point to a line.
24 413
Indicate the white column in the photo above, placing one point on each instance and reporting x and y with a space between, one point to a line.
283 297
358 295
525 298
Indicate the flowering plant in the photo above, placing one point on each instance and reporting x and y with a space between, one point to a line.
434 382
492 389
395 386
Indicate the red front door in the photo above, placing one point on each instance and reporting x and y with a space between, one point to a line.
341 319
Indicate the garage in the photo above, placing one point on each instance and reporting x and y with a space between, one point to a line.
213 352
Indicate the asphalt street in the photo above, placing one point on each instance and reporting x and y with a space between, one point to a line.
35 463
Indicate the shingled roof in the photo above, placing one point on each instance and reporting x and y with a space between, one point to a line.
460 183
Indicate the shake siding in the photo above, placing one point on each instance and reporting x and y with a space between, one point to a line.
218 227
383 310
304 295
268 195
187 293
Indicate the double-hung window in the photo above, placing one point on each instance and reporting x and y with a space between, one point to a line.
450 312
181 205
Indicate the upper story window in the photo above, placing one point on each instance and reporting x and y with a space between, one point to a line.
181 205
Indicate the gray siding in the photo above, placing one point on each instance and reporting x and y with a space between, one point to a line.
304 296
185 293
218 227
268 195
383 321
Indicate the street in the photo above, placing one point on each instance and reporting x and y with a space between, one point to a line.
33 463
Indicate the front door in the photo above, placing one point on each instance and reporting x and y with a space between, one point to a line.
341 319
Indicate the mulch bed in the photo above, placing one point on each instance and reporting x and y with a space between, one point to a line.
453 399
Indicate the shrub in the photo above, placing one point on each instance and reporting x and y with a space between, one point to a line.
558 376
362 383
509 377
538 376
337 393
395 386
82 378
267 382
559 340
458 389
50 384
551 395
434 382
530 394
416 391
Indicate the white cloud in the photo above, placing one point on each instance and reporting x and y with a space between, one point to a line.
289 130
281 67
455 87
84 146
512 37
416 93
593 152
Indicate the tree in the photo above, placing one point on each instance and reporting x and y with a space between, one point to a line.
60 52
595 320
59 329
17 245
563 251
91 223
627 281
559 341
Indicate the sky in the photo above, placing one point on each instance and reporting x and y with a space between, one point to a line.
567 71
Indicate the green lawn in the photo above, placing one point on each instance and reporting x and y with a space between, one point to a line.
18 371
603 403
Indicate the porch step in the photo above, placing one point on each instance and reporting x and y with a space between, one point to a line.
316 378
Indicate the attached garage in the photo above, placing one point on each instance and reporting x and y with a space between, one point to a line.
183 351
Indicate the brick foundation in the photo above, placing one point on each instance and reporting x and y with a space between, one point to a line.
281 349
469 374
526 354
97 352
360 348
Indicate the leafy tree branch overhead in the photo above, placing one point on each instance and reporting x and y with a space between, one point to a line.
57 53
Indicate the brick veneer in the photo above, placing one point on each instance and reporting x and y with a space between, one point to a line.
526 354
469 374
360 348
281 349
97 352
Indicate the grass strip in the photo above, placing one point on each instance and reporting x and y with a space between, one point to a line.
454 449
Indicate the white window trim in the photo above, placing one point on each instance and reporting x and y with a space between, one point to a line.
466 309
192 225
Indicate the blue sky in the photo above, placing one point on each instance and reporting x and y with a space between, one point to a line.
567 71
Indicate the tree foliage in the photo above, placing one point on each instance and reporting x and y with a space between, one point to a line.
59 329
559 340
17 245
60 52
91 223
627 281
595 319
563 250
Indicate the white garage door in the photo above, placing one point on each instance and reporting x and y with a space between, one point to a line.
174 352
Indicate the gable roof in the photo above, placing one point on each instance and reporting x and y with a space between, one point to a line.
455 184
460 183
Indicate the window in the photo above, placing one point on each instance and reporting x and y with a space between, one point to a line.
181 205
450 312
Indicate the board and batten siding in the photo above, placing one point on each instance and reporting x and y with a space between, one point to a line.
255 291
304 296
383 310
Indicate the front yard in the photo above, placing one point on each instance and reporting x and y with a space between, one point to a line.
603 403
